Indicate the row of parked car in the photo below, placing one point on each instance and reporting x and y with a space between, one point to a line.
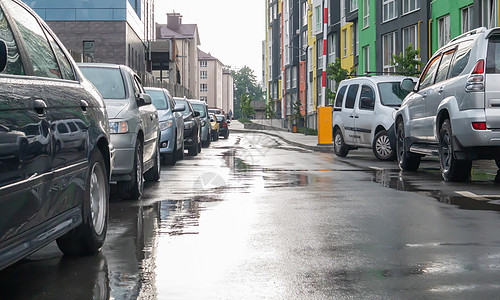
452 111
67 131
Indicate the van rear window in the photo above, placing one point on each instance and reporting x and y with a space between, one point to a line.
493 57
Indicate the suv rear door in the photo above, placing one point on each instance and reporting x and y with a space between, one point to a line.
492 87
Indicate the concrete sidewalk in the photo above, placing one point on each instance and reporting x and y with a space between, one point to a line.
309 142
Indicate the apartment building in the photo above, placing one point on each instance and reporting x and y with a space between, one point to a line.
227 91
211 70
185 40
116 31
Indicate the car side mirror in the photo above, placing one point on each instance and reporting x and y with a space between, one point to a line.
144 99
367 103
3 55
179 108
196 114
407 85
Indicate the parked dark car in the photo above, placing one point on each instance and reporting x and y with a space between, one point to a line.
171 124
206 128
133 121
223 126
192 127
48 192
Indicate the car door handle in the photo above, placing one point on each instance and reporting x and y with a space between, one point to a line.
356 117
440 91
84 105
40 108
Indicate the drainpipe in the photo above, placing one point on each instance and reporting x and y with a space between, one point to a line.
323 77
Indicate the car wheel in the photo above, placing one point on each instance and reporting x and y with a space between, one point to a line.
382 146
452 169
133 189
180 153
226 135
193 150
88 237
153 174
497 162
339 145
406 161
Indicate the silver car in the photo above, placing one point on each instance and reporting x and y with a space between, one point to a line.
454 110
133 121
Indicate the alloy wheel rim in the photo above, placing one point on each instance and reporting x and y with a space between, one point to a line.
338 141
98 198
445 151
383 146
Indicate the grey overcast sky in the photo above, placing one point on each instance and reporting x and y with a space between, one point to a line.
231 30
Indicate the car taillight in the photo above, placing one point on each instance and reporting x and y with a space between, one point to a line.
224 125
475 82
479 125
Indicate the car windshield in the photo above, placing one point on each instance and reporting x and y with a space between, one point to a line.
200 108
158 98
108 81
220 118
391 93
186 106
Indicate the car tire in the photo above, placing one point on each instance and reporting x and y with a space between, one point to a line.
452 169
226 135
89 236
133 189
339 145
497 162
180 153
207 143
407 161
171 158
382 147
193 150
153 174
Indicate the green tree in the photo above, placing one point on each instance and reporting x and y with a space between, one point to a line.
269 110
245 83
407 64
296 111
246 106
334 71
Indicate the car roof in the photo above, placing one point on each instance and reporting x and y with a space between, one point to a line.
193 101
378 79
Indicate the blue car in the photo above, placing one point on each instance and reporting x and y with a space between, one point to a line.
171 124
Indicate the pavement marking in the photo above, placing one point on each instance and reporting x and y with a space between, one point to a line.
473 196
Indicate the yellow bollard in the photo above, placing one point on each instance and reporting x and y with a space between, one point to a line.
325 126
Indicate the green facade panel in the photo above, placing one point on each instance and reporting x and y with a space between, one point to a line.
367 37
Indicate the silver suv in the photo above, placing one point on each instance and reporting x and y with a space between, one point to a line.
454 110
363 115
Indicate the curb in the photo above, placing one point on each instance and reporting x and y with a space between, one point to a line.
323 149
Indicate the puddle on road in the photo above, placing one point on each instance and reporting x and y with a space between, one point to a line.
395 179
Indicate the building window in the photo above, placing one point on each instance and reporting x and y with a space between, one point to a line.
388 10
319 47
388 49
310 59
203 63
203 75
344 43
294 77
304 14
490 13
204 98
366 13
203 88
354 5
89 48
410 5
467 19
366 59
318 18
287 78
319 84
444 34
332 48
410 37
356 41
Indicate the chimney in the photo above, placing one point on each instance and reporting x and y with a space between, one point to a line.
174 20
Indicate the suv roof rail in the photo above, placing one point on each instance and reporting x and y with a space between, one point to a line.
472 32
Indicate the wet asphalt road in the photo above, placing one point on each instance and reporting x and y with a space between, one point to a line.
253 218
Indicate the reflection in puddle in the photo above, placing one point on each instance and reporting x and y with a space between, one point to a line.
396 180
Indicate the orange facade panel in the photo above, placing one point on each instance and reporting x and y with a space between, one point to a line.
302 87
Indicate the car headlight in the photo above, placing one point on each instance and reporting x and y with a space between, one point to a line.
118 127
188 125
203 123
166 125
